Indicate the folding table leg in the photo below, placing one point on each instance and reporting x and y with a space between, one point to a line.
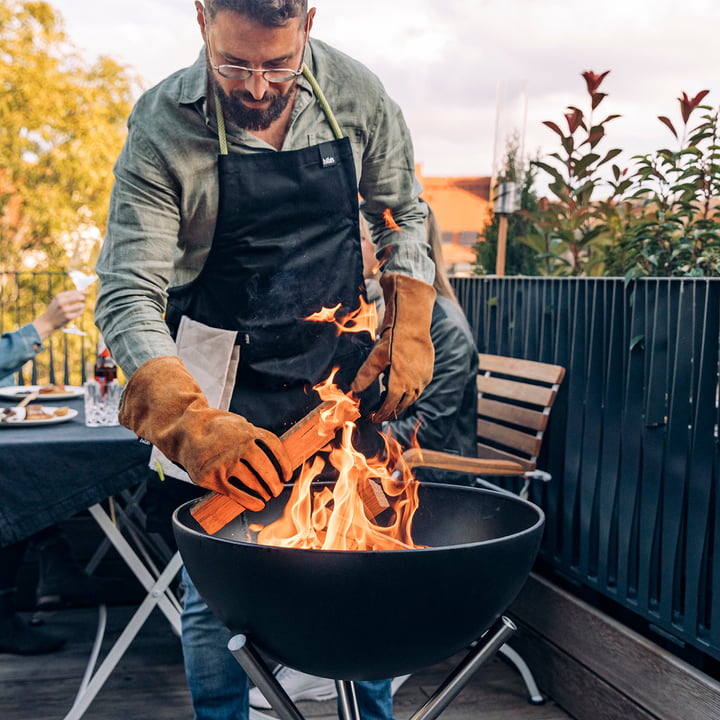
516 660
155 593
158 595
165 600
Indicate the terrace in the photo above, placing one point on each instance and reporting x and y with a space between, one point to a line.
620 616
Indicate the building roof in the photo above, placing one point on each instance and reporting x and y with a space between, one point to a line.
461 204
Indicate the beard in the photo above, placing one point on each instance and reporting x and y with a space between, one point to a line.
237 112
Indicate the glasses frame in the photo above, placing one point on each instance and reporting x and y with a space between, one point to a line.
240 72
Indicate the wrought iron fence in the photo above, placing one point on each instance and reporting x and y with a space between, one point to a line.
24 296
633 509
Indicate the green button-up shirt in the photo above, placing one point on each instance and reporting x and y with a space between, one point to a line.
165 198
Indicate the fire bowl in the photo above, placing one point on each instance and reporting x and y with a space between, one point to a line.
368 615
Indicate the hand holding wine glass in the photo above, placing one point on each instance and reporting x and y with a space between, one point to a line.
81 269
64 307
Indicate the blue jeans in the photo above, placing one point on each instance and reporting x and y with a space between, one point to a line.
218 684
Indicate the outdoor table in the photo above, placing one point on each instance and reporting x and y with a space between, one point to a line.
48 473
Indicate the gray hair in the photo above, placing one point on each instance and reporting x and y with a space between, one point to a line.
270 13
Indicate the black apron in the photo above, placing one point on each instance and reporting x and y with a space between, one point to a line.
286 244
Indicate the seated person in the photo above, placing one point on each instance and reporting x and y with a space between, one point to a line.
444 416
62 580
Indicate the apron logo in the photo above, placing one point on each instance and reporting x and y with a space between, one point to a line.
326 151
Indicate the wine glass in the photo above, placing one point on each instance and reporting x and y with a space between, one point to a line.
81 269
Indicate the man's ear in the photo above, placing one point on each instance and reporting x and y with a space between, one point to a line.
200 14
309 20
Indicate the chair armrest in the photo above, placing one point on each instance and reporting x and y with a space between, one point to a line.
417 457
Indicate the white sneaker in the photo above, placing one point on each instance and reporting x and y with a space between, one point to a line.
298 686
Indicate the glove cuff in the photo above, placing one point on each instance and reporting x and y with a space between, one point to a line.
157 395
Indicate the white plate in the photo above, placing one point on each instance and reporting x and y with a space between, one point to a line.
19 420
18 392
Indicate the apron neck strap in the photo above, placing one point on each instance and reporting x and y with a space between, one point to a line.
220 118
323 102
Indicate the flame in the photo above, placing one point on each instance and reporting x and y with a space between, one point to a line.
318 517
364 319
372 504
390 220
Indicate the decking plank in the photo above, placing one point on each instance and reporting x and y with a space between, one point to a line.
149 681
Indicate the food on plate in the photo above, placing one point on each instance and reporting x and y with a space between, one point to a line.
32 413
36 412
52 390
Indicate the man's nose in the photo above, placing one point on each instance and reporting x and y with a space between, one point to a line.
256 85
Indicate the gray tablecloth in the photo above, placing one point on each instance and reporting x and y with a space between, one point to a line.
49 473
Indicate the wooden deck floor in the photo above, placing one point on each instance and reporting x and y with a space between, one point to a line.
149 683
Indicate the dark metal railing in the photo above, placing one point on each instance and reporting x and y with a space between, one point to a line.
23 297
633 509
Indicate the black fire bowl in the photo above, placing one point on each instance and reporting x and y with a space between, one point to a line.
367 615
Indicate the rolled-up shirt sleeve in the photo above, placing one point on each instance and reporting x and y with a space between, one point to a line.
136 261
390 192
16 348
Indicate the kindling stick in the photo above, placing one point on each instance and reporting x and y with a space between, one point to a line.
303 440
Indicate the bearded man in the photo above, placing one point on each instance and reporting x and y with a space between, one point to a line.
235 211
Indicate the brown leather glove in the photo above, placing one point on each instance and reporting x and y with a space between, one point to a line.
404 351
221 451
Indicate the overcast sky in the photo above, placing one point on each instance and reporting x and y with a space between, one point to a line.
469 72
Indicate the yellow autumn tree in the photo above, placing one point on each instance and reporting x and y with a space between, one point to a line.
62 124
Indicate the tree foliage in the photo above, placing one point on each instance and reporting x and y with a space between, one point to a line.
62 124
658 218
673 226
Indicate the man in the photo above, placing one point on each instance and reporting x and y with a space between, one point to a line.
249 243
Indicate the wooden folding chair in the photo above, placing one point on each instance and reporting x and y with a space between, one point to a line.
514 402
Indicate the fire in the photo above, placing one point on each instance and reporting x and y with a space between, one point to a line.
364 319
390 220
344 518
373 501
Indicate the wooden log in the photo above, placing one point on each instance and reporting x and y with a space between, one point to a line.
303 440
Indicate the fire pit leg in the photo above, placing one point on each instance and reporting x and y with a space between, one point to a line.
260 674
347 698
487 646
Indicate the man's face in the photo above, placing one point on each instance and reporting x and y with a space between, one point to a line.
233 39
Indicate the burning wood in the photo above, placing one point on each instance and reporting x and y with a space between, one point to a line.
342 518
303 440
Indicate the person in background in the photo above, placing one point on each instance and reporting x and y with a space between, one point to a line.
234 211
17 347
61 579
445 415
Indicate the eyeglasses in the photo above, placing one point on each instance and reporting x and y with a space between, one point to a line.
239 72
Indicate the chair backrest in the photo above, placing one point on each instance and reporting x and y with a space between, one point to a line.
514 401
